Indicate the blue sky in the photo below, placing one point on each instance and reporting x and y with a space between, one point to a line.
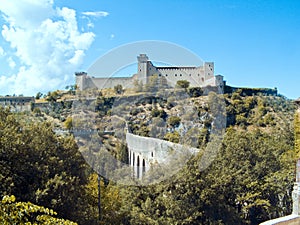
252 43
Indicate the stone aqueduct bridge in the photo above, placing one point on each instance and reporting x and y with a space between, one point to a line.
144 151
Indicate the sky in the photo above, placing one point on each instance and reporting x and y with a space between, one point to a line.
252 43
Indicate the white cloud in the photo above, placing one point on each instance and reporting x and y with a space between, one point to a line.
77 58
26 12
46 41
112 36
12 64
96 14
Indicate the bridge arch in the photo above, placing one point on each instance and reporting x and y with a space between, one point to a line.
138 174
144 151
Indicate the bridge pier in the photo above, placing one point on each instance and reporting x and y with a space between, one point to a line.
138 163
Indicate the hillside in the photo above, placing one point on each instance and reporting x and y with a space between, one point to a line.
248 181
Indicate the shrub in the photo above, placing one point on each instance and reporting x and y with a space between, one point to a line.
174 121
172 137
183 84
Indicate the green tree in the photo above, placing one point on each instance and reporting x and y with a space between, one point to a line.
12 212
71 89
37 111
182 84
110 201
174 121
38 95
68 123
158 113
172 137
118 89
40 167
52 96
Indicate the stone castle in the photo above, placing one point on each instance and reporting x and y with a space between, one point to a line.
198 76
17 103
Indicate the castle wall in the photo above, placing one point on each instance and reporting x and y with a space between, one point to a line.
197 76
194 76
100 83
86 82
18 108
17 104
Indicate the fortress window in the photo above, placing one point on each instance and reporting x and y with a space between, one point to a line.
190 74
202 79
181 75
208 74
159 75
166 75
198 74
175 75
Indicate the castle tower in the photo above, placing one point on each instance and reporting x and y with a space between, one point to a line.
208 70
142 68
80 80
220 83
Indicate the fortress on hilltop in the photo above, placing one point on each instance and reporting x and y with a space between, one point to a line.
198 76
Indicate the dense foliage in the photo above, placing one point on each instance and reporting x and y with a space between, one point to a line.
12 212
40 167
248 182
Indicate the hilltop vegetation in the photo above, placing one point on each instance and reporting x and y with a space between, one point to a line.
248 182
